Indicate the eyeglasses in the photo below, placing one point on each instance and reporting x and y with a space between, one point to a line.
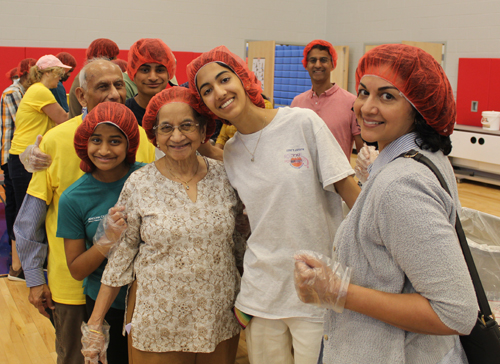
184 128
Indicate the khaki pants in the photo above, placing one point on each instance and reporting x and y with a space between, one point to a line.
67 323
225 352
271 341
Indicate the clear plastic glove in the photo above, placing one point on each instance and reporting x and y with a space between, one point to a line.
33 159
366 156
110 229
95 341
320 281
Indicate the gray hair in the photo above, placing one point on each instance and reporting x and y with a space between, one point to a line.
82 77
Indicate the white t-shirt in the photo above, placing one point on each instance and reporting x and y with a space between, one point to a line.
291 202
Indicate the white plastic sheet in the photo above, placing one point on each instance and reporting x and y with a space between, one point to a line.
483 235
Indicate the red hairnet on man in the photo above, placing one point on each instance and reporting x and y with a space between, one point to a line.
99 48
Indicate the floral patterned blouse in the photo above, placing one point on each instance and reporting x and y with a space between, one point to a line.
182 254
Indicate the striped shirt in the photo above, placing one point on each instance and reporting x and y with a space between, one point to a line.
9 103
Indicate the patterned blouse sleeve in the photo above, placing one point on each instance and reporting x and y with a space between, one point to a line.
120 267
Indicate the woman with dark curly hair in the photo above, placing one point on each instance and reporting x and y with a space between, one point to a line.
399 271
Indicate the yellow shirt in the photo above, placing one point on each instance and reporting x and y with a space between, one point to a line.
49 185
30 118
226 133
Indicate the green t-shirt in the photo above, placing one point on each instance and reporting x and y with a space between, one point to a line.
81 207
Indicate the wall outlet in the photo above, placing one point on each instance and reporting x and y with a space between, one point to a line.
473 107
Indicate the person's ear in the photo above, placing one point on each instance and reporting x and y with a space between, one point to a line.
80 95
203 133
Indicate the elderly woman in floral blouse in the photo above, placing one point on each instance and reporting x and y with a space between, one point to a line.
178 252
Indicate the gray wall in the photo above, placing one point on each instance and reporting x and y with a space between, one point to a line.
471 28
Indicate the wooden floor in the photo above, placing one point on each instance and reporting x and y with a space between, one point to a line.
26 337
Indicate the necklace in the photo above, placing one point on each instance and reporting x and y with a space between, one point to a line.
186 182
258 140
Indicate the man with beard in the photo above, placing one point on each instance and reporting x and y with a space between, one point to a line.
60 92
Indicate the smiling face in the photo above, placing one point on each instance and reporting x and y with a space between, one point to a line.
222 91
383 114
104 83
107 149
177 145
319 65
151 78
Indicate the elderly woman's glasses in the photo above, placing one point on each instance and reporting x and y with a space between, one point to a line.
167 129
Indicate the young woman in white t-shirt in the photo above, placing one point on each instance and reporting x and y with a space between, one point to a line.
291 174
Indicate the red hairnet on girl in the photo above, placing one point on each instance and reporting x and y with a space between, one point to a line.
111 113
168 96
150 50
323 43
222 55
420 79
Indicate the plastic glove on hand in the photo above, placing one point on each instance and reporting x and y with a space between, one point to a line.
110 229
366 156
33 159
95 341
319 281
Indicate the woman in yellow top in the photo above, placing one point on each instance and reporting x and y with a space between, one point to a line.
37 113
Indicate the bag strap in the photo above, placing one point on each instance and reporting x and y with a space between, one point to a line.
480 294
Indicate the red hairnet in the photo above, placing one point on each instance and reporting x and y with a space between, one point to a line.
168 96
112 113
419 77
67 59
25 65
121 63
323 43
150 50
11 73
102 47
221 54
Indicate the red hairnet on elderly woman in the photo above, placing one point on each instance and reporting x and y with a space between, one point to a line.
398 289
181 249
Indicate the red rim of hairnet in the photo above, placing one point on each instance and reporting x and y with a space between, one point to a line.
112 113
121 63
323 43
150 50
221 54
11 73
67 59
102 47
169 96
25 65
417 75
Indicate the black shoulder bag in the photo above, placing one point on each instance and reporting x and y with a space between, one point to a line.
482 345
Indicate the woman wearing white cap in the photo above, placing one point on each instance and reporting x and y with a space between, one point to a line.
38 112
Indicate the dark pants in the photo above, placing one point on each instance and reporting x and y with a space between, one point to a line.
68 322
20 180
10 203
117 352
